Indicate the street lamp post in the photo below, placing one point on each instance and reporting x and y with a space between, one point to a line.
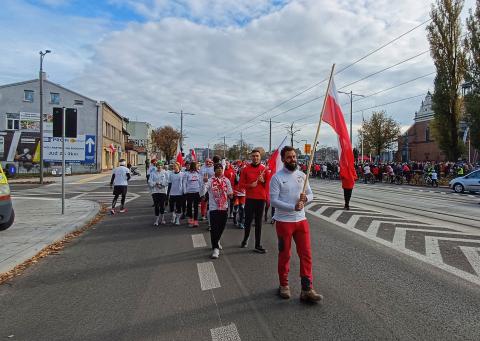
42 55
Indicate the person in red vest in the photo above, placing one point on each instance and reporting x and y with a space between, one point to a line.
230 174
254 179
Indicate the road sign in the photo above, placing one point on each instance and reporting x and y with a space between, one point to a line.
74 149
90 148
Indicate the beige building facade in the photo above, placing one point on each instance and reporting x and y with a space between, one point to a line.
112 137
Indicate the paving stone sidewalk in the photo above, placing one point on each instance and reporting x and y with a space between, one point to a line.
39 223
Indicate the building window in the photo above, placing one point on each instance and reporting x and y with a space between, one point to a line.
78 102
13 122
427 134
28 95
54 98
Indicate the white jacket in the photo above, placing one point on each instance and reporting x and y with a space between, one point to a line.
158 181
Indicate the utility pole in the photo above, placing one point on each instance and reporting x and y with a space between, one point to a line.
270 140
292 132
181 113
42 55
241 146
351 94
225 146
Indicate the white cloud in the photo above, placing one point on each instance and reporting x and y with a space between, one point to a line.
228 73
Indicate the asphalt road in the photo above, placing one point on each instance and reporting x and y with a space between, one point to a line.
126 280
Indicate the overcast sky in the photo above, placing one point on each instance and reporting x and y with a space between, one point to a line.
225 61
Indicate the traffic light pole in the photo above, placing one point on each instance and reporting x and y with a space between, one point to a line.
63 160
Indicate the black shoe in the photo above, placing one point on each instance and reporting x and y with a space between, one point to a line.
244 244
259 249
346 207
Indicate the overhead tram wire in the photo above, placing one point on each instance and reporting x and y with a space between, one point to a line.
357 81
357 111
385 69
338 72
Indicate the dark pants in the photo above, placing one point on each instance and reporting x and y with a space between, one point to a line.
176 203
117 191
159 203
254 210
184 204
192 199
347 194
230 207
218 220
238 214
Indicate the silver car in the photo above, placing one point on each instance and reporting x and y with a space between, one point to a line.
469 182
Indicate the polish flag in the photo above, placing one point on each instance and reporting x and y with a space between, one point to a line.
274 165
194 156
275 161
333 115
179 154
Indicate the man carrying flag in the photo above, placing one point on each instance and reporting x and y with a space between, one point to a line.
289 199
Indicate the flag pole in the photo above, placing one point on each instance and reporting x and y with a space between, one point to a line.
312 152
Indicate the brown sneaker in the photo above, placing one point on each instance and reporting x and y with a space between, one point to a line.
310 296
284 292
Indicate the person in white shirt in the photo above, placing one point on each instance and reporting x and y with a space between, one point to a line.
158 183
119 182
220 190
366 173
175 193
192 186
434 177
206 172
286 196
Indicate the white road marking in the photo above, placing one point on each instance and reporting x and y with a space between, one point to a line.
198 240
433 256
208 276
79 196
225 333
473 256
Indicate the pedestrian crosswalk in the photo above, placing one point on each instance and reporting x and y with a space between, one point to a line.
449 248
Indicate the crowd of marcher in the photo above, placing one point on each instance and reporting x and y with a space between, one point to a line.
244 192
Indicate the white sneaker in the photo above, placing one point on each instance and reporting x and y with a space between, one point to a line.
215 254
163 220
220 246
157 219
174 218
177 220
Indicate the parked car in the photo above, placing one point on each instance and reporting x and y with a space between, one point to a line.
7 215
469 182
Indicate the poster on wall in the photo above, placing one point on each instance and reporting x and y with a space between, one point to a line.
29 121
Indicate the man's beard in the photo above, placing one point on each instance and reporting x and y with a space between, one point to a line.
291 166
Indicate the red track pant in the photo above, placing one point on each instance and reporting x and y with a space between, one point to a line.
300 232
203 207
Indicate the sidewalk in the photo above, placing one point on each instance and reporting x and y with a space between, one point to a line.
82 178
39 223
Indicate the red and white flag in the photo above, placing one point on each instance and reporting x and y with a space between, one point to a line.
194 156
275 161
274 165
333 115
179 154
